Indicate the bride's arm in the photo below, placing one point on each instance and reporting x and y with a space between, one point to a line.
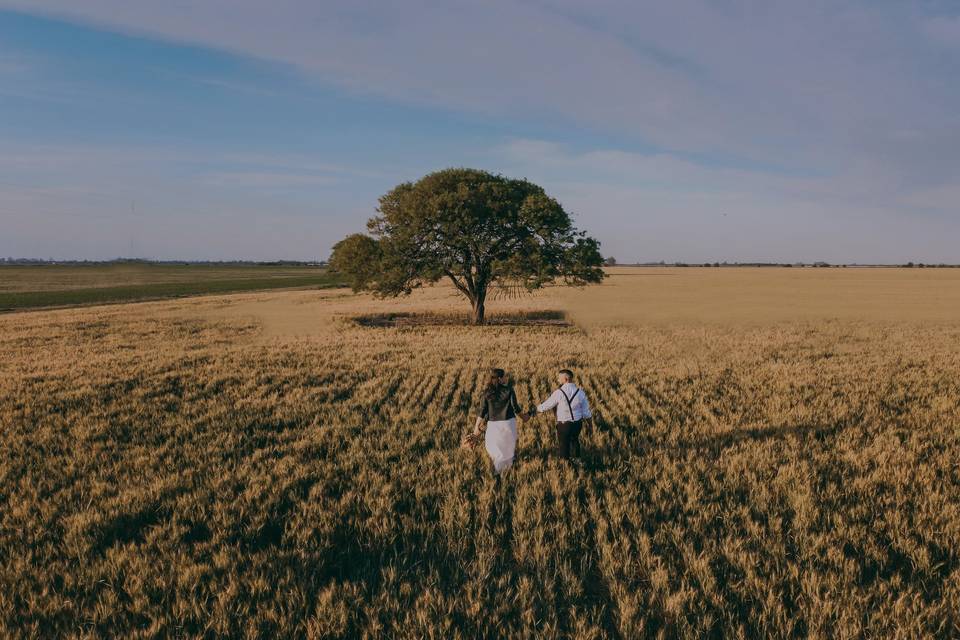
476 427
483 409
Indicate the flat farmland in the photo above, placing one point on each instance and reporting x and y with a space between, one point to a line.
768 295
31 286
775 456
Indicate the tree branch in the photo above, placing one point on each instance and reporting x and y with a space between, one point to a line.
460 287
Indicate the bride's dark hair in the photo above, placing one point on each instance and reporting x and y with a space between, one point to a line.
495 376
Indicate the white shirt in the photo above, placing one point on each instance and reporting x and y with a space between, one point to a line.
581 408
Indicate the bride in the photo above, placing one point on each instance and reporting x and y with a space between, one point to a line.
498 407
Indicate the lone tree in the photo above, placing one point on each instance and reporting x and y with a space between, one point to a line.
475 228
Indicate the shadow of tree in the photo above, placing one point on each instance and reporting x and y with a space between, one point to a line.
547 318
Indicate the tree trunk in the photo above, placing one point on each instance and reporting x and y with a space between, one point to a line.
478 310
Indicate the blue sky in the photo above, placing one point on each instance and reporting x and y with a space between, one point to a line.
690 130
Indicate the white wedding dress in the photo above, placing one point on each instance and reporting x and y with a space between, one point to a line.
501 443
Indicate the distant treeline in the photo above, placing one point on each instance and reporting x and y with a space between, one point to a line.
663 263
135 261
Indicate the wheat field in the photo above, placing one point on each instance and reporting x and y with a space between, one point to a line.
776 455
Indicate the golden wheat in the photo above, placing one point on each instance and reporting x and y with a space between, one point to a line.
262 466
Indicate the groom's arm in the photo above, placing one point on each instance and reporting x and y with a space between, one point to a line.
550 402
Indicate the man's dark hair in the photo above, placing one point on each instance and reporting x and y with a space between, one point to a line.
567 373
497 373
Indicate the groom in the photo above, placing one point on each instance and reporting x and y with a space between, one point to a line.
573 410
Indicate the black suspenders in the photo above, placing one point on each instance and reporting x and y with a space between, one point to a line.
570 401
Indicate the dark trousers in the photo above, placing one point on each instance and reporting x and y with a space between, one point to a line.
568 438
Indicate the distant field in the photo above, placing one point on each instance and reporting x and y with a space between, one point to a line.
24 287
775 457
760 296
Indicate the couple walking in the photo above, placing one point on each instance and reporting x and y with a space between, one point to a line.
499 409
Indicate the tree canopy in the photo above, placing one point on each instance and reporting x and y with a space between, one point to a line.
357 257
477 229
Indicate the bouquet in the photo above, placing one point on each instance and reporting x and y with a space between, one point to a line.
471 440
